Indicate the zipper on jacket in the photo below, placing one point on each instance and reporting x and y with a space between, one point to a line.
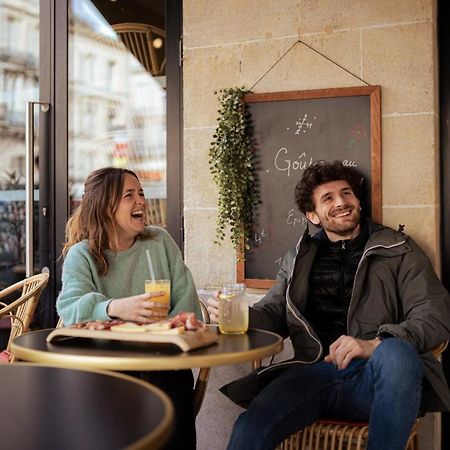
288 303
344 262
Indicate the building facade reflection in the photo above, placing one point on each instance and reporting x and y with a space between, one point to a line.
117 115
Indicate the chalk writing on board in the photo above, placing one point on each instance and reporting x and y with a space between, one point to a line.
294 218
258 237
261 238
301 162
303 125
348 163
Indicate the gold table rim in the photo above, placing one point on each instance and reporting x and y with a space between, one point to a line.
153 439
141 363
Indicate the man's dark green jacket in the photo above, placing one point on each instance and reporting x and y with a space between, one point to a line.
395 293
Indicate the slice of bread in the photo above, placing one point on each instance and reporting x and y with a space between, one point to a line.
128 327
164 328
158 326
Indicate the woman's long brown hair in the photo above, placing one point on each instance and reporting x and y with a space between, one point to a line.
94 219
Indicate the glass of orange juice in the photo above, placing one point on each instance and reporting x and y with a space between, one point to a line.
233 309
158 286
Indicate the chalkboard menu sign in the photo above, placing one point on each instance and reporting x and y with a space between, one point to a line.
291 130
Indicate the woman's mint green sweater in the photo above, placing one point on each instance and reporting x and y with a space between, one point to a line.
85 294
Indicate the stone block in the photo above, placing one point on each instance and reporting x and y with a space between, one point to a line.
409 160
199 187
211 264
205 71
218 22
402 60
331 15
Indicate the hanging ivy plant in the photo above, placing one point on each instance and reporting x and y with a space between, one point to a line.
231 164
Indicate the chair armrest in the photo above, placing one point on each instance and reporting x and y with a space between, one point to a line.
205 313
437 351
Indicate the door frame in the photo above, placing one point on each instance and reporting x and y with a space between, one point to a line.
53 135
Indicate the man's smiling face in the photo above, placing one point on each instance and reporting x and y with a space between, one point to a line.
337 210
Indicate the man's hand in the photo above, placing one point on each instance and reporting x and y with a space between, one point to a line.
213 307
345 348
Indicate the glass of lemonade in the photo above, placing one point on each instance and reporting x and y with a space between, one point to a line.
233 309
158 286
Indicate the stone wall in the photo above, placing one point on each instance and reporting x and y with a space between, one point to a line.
230 43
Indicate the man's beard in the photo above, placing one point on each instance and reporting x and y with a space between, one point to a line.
342 228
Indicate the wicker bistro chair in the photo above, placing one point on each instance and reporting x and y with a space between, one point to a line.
332 434
328 434
20 312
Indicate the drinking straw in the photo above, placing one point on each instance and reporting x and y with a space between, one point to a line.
150 265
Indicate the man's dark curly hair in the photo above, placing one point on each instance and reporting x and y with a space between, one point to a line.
321 172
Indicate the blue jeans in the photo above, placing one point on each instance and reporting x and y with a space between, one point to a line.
384 390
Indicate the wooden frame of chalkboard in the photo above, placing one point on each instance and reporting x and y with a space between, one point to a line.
290 130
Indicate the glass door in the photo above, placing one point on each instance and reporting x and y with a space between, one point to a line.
105 77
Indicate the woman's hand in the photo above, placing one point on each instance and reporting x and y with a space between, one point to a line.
345 348
138 308
213 307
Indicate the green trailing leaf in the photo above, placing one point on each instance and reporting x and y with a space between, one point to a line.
231 164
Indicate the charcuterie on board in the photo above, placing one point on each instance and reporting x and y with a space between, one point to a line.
182 330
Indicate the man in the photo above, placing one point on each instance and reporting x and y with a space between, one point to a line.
363 308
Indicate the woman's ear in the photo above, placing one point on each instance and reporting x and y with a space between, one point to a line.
312 217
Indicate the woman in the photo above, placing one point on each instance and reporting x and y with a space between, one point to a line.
105 269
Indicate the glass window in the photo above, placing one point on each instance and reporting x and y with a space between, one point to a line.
19 77
117 100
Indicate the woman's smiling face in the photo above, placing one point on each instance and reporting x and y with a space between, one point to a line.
131 211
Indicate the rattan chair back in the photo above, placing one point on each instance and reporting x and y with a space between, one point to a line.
21 310
140 39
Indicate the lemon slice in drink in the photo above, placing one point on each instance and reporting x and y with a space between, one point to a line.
226 296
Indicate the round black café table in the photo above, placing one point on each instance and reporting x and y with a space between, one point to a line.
49 408
124 355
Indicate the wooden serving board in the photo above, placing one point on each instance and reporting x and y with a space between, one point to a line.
186 341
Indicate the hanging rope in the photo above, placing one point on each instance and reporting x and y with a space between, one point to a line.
299 41
276 62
